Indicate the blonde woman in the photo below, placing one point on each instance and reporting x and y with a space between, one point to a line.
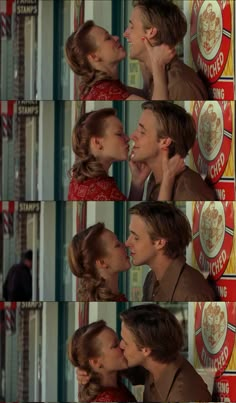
96 257
95 348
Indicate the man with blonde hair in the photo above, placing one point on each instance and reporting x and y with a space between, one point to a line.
152 338
155 27
164 130
159 236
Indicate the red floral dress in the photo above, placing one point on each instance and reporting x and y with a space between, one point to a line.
95 189
107 90
121 298
121 394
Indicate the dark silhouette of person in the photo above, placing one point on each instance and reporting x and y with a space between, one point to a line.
18 283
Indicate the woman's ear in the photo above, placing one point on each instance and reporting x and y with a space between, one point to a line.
96 144
101 264
95 363
93 58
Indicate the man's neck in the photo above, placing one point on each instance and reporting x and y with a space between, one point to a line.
160 266
155 166
156 368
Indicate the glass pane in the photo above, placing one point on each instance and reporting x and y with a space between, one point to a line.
65 72
66 149
67 278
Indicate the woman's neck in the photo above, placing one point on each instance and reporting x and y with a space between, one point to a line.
111 70
112 283
109 379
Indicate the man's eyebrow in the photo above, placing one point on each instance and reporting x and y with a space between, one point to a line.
132 232
141 125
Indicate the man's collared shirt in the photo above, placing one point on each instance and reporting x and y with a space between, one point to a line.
189 185
184 83
180 282
179 382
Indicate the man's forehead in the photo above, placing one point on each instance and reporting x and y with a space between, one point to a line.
136 14
136 219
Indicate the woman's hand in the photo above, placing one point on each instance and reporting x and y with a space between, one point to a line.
82 376
171 167
159 55
139 172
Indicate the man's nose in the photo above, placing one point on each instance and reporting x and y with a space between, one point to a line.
127 242
126 33
133 136
121 345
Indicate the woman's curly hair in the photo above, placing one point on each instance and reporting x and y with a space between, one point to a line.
79 44
83 251
81 348
88 125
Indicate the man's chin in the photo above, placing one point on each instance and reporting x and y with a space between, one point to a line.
132 55
135 158
135 262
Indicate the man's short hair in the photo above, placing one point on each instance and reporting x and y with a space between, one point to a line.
174 122
165 221
27 255
154 327
166 17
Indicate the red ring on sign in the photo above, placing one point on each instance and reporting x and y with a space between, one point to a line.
216 265
212 69
219 360
216 166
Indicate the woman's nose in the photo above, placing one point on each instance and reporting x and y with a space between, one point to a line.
127 139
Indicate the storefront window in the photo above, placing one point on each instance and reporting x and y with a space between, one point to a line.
64 230
62 20
66 327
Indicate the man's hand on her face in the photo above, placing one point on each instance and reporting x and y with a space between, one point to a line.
82 376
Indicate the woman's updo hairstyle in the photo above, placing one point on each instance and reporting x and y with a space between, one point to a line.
88 125
82 347
79 44
85 248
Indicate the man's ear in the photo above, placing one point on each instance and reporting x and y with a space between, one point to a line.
146 351
165 142
151 33
160 243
